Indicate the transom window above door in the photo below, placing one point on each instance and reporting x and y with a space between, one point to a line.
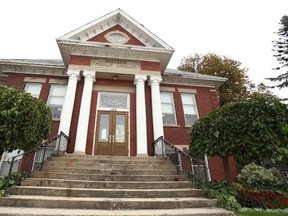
108 100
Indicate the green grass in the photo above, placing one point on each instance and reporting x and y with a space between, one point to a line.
262 213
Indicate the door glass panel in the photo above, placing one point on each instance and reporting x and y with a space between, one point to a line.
104 128
120 129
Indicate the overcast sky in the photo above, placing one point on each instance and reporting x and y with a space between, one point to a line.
239 29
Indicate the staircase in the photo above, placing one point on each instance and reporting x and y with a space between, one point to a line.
103 185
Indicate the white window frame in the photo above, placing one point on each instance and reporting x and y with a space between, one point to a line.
29 86
171 104
194 105
58 106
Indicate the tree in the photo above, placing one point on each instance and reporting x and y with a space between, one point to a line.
24 120
235 88
249 130
281 53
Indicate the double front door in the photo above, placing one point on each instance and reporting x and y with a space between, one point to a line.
112 133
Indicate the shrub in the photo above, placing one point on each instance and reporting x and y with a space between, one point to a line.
224 193
253 176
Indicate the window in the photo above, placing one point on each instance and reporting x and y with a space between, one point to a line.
113 100
168 111
189 108
56 99
34 89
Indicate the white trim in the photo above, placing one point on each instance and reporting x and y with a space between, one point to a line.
34 80
186 90
127 38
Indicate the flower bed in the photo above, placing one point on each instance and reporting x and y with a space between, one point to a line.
261 199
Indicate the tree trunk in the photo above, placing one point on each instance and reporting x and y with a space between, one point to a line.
227 169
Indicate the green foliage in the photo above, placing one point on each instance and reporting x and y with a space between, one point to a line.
249 130
253 176
14 179
281 53
236 87
24 120
224 193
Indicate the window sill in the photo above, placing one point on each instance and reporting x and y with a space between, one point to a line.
55 119
188 126
167 125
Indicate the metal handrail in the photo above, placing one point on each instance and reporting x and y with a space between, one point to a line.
32 160
184 163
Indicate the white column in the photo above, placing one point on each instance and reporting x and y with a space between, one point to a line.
156 110
82 127
67 109
141 129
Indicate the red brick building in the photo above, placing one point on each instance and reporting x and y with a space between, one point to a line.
111 92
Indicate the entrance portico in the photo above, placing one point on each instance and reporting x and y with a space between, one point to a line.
120 55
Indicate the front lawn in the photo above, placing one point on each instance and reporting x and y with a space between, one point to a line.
262 212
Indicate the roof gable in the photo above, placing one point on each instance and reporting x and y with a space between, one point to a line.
117 17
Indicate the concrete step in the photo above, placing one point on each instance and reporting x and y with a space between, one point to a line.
112 160
98 177
14 211
105 184
99 165
105 203
108 158
88 170
108 193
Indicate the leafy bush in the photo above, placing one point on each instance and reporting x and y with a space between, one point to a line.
15 179
24 120
253 176
223 192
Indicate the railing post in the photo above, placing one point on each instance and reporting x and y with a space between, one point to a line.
192 167
180 165
59 143
43 158
207 171
162 146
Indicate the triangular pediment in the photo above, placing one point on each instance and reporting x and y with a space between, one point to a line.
112 20
117 29
116 36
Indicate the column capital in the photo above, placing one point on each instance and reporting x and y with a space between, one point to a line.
74 74
155 80
140 78
90 75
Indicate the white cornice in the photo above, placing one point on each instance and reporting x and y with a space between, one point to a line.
118 51
212 83
33 69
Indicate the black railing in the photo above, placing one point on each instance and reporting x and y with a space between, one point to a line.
32 160
184 163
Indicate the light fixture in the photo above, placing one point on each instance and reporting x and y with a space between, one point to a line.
115 77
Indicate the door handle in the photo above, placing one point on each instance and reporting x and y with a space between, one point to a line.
110 138
113 138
